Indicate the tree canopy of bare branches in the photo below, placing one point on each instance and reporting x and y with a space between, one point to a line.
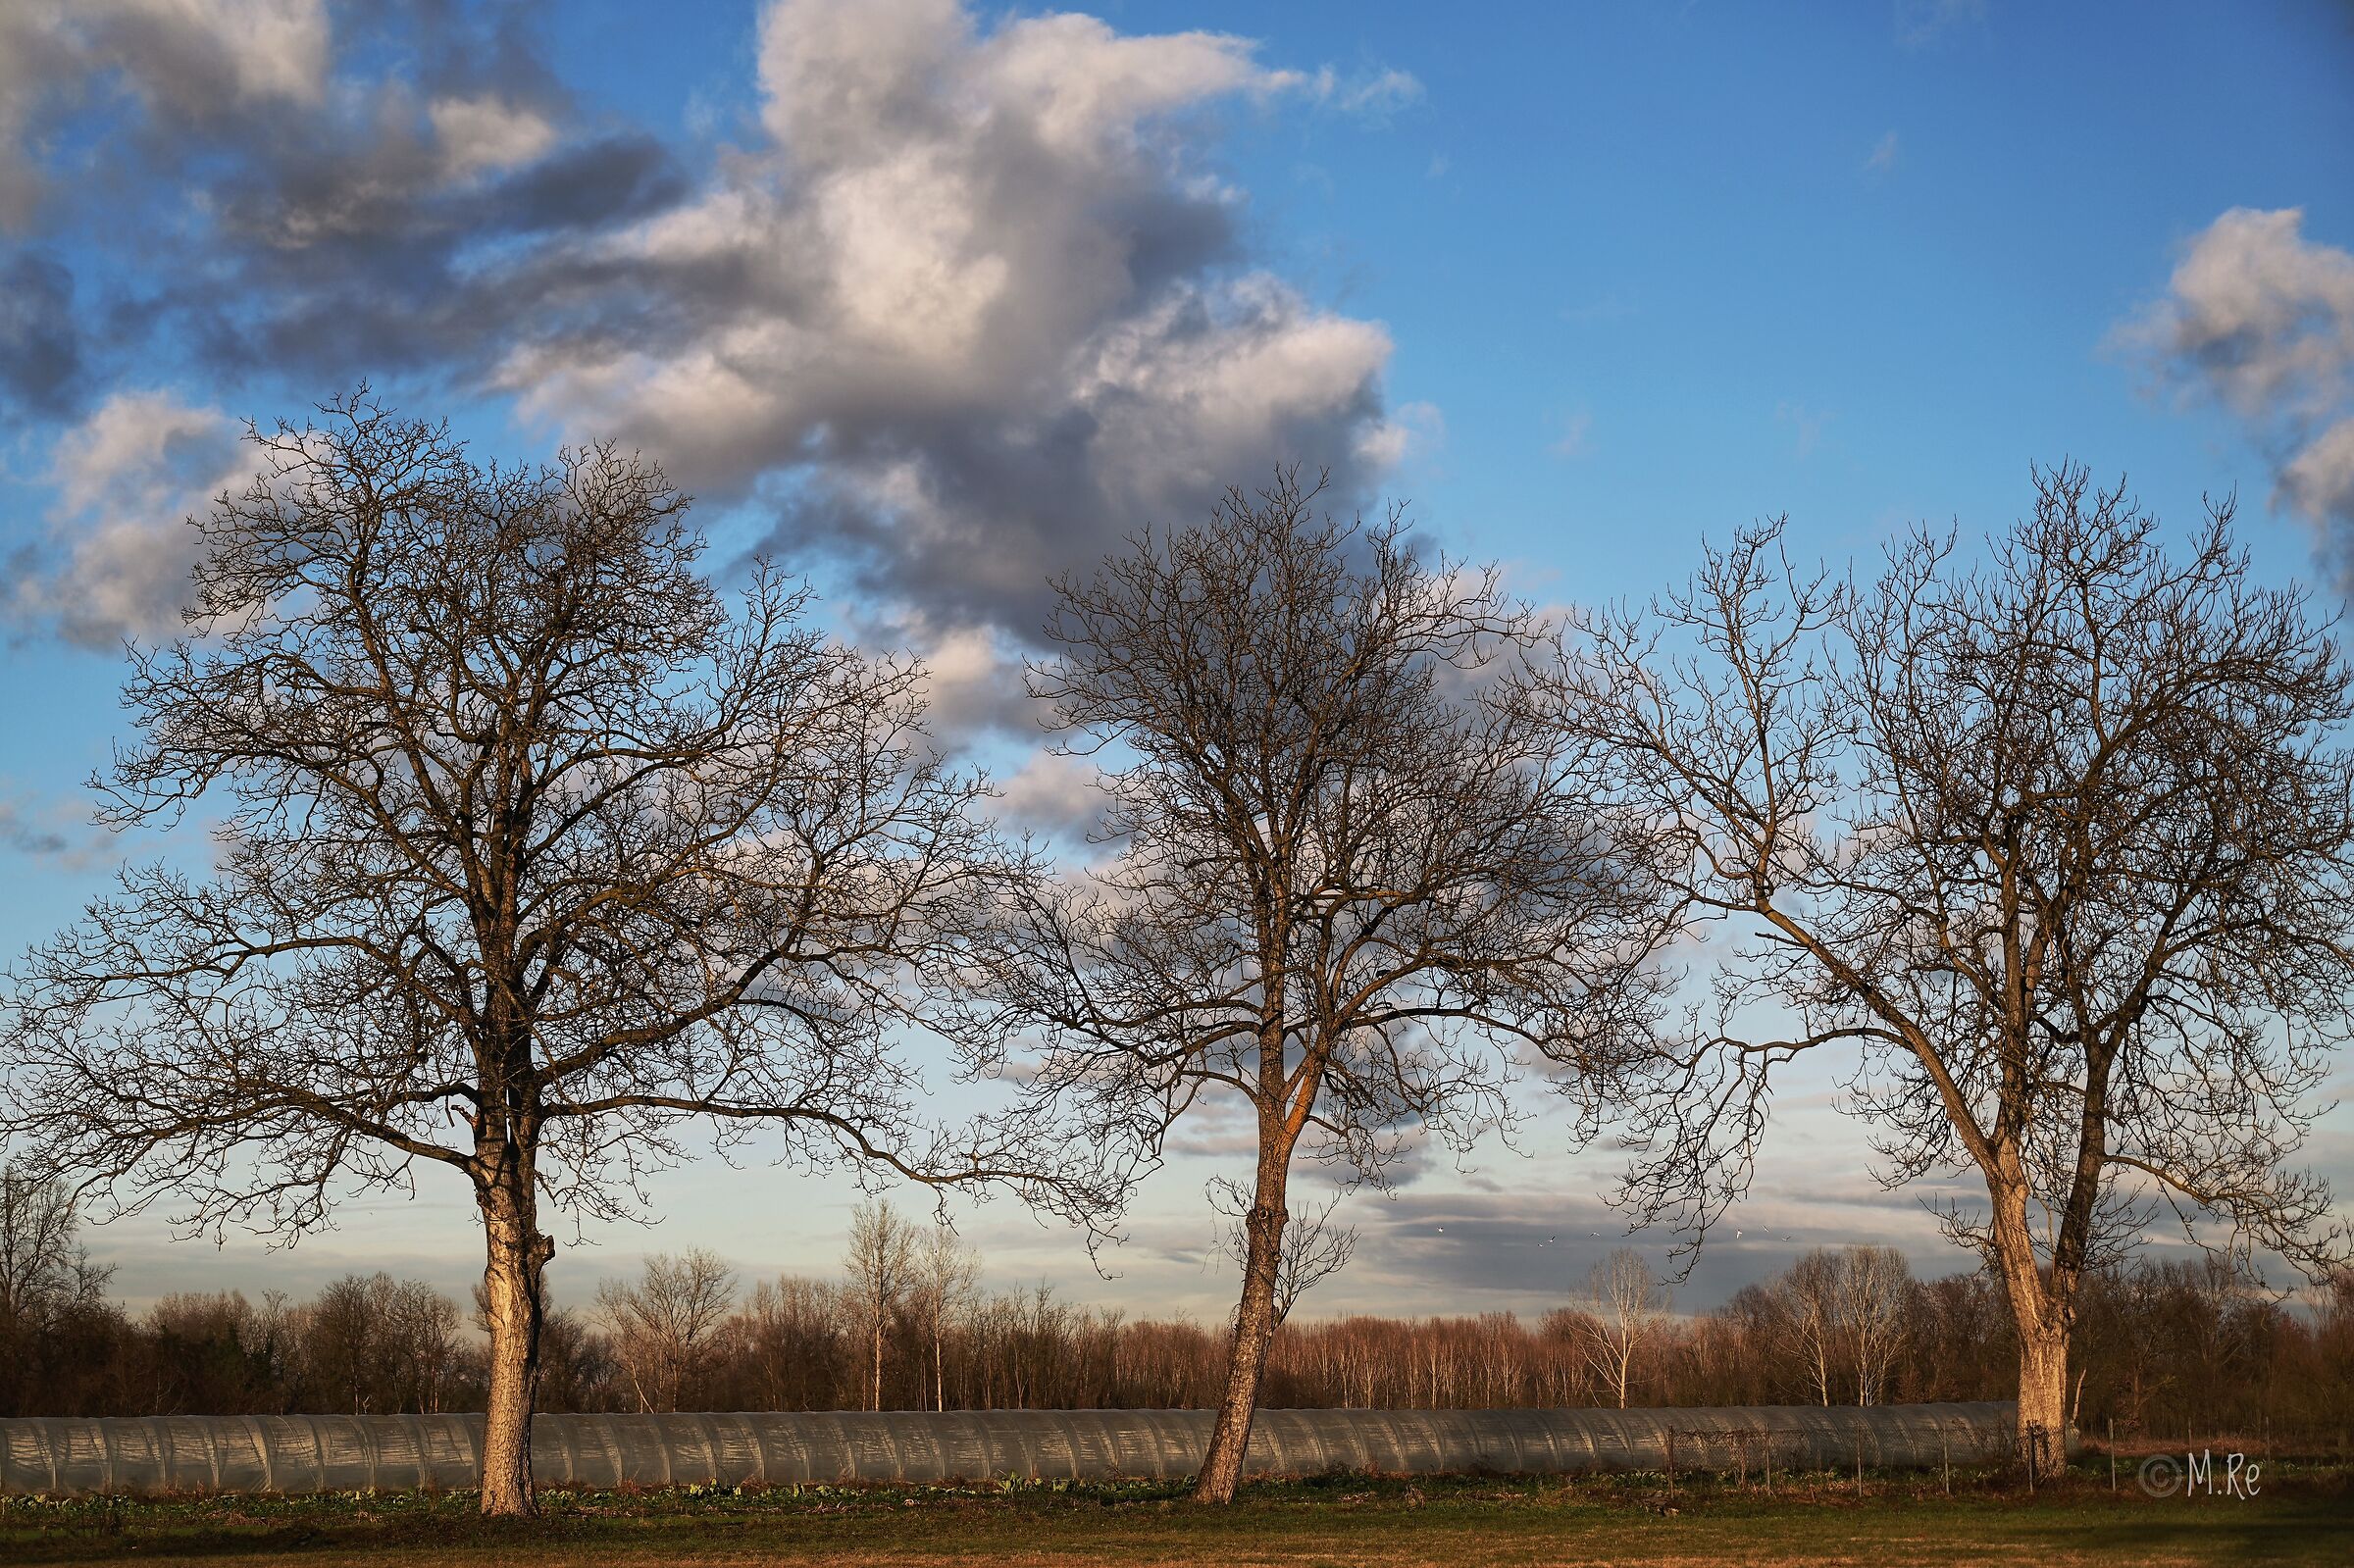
531 847
45 1272
2055 842
1625 1307
948 1281
661 1324
881 1266
1343 882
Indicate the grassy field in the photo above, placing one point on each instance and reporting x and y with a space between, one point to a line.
2301 1517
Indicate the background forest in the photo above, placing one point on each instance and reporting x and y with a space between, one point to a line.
2165 1348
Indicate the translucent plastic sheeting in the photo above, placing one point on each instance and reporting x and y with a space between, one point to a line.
340 1453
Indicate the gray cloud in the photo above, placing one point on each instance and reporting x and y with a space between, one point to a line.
2260 319
180 67
1519 1243
27 835
1053 794
40 343
340 202
55 829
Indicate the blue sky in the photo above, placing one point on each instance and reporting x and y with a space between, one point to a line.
934 304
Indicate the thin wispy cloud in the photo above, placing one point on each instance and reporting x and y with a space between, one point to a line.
1807 426
1920 23
1376 94
1573 436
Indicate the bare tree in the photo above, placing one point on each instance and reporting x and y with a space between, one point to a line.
2056 842
795 1336
662 1325
1875 1287
382 1345
1625 1307
1805 1301
532 848
1346 881
882 1265
947 1277
41 1260
44 1270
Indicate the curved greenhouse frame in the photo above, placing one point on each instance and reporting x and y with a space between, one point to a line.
59 1456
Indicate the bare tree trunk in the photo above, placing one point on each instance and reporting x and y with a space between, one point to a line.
1253 1327
2040 1317
512 1291
2043 1394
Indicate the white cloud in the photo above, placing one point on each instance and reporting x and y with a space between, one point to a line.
972 681
1417 429
971 308
488 133
1882 160
977 296
2319 482
2264 316
128 477
2260 319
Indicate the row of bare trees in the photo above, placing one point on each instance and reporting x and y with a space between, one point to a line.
2163 1349
365 1344
536 853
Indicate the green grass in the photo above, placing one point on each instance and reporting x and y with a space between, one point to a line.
2302 1516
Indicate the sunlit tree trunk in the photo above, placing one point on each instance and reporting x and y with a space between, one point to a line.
515 1302
1254 1328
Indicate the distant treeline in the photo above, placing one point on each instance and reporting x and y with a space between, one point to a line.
2164 1347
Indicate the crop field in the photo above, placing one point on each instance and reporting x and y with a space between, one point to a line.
2302 1515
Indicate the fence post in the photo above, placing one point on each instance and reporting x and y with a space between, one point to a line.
1859 1461
1945 1458
2112 1453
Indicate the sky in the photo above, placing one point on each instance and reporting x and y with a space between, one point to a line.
932 302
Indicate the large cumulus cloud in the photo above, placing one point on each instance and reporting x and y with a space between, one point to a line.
972 301
967 305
